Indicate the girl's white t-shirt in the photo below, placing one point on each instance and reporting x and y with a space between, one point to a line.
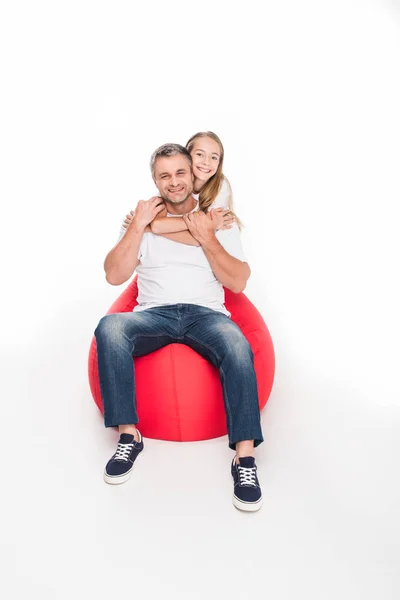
174 273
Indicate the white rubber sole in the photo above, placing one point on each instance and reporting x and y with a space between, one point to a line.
118 479
247 506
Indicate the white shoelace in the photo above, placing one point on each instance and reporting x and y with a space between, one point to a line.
123 452
247 475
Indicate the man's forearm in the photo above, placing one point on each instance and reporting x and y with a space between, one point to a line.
231 272
122 260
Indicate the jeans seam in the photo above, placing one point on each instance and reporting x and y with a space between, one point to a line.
134 398
151 335
228 408
205 346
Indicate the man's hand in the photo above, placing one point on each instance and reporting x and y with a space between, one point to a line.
146 211
201 225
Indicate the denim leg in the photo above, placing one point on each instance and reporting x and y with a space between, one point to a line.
119 337
217 338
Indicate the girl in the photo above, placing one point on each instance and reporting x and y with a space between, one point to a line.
211 187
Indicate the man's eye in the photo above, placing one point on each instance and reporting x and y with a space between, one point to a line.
164 176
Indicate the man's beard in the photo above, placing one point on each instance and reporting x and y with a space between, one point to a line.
177 202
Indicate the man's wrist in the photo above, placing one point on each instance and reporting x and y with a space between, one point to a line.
137 226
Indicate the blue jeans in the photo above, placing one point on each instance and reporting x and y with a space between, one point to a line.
122 336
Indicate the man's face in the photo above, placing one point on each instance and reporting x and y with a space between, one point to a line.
174 178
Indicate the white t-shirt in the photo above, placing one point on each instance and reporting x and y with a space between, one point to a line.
174 273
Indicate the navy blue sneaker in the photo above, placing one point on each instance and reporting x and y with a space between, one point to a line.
246 490
119 467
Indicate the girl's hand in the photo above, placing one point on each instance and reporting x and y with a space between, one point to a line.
221 218
128 219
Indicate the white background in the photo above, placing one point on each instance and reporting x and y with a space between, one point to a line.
305 96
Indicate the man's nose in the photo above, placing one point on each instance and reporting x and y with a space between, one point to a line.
174 181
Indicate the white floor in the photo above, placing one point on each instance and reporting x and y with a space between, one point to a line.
329 527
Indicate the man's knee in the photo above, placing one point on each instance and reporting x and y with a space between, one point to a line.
235 345
110 327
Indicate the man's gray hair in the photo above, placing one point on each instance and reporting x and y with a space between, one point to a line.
168 150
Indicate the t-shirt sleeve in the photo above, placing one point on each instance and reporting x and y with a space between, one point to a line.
121 235
231 242
224 194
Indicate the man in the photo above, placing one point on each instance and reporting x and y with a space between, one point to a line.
181 300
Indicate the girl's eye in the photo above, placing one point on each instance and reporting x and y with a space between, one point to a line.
215 158
198 153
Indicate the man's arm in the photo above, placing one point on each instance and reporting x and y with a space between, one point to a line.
123 259
230 271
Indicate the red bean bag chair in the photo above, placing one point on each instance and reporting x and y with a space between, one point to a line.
185 402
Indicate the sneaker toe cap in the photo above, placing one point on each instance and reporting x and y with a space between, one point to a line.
116 468
248 494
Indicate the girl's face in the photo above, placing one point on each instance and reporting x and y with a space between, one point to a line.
206 155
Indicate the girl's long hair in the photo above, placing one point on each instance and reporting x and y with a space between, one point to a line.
211 188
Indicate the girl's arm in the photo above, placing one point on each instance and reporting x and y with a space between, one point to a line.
175 229
168 224
216 219
182 237
163 224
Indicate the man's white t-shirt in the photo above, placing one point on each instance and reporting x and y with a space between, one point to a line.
173 273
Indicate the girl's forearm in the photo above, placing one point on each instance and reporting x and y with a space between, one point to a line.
168 225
